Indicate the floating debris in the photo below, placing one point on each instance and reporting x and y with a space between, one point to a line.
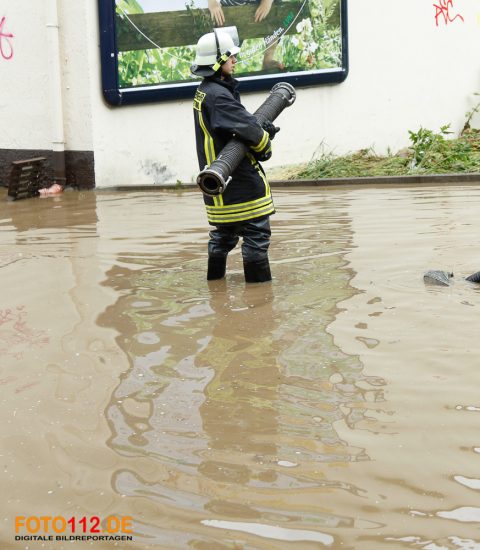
435 277
474 277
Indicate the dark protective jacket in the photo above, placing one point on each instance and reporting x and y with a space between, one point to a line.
219 116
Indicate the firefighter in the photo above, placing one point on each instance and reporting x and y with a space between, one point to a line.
244 208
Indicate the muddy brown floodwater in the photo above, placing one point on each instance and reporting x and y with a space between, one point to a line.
338 407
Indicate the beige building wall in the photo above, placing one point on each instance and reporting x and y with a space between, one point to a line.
405 72
25 110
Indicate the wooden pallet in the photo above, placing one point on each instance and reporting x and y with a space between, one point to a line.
27 177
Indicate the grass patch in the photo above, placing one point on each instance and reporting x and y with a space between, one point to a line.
429 153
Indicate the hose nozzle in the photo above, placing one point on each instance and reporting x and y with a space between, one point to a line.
212 183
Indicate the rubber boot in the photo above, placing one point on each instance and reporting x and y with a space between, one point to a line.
257 272
217 266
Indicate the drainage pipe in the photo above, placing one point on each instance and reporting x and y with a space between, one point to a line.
58 137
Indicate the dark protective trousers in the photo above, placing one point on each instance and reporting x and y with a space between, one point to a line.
256 240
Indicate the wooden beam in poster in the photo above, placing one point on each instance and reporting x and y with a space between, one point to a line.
184 27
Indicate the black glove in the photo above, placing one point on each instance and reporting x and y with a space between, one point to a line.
263 157
270 128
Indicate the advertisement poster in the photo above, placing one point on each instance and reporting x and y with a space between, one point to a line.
148 46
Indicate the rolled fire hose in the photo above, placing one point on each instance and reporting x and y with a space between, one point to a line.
214 178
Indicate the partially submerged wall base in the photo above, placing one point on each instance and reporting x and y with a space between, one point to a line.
79 165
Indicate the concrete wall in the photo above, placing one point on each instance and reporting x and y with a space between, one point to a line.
405 72
28 106
25 110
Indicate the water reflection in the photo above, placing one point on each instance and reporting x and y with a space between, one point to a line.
55 363
234 392
239 414
232 426
51 228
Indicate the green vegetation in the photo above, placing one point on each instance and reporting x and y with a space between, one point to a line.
317 43
153 66
429 153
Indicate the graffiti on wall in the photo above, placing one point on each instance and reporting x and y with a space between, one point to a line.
444 11
6 47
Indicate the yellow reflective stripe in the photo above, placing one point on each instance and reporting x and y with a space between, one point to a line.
198 99
240 207
262 144
223 59
269 209
268 192
260 173
208 141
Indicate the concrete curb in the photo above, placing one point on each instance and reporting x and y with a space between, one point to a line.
434 179
443 179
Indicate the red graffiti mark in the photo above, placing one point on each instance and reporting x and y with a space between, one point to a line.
443 9
26 386
16 337
7 380
6 48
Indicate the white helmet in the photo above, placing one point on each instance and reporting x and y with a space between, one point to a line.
214 49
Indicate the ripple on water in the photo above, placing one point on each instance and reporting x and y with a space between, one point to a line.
309 411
